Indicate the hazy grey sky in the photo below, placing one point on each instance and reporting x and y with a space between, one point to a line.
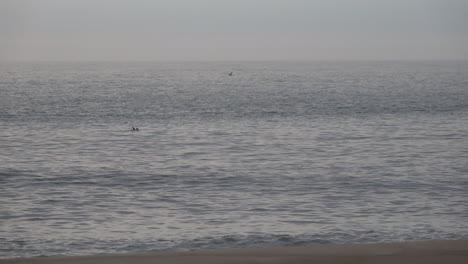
233 29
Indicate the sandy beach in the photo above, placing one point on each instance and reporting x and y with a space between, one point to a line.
405 252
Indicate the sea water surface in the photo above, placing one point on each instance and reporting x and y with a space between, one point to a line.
278 154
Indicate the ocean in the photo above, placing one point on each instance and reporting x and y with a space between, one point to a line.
278 154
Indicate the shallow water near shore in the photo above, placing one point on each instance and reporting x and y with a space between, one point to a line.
278 154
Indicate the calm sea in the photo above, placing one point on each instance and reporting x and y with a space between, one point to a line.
278 154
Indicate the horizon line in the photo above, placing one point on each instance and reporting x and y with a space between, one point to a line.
230 60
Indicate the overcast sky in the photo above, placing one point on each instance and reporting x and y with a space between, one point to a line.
233 30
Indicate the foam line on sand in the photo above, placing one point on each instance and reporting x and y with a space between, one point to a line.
427 252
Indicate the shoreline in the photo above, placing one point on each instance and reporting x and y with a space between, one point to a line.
436 251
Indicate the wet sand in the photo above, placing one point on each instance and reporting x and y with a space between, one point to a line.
427 252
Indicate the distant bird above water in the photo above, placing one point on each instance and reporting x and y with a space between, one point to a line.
135 128
230 74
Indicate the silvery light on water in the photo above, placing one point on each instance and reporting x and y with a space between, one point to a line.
276 154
